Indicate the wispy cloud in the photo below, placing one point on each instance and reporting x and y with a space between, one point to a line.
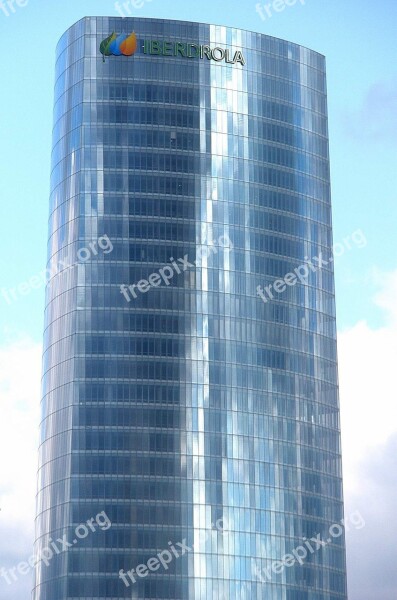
376 119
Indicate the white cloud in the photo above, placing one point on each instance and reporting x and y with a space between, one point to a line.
371 551
367 365
20 374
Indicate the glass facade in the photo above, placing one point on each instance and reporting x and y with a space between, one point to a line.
193 403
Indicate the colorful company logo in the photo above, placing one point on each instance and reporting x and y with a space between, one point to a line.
117 45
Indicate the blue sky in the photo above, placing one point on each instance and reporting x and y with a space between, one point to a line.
359 40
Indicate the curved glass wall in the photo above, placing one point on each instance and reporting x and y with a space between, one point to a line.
192 411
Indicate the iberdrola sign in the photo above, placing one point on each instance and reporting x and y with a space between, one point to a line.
127 45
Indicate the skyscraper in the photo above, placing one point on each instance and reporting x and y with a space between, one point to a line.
190 370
